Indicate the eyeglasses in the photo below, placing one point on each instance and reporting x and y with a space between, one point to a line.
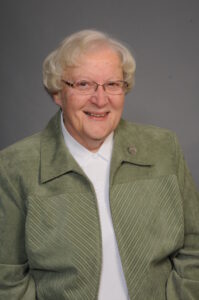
85 87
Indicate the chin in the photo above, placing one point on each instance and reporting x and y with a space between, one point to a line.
100 136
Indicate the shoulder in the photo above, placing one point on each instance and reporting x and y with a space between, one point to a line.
148 136
28 150
19 163
145 130
22 150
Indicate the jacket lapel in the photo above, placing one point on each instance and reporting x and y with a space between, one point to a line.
129 147
55 159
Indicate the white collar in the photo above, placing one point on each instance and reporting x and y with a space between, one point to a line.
80 153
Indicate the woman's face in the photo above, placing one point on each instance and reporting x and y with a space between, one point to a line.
91 118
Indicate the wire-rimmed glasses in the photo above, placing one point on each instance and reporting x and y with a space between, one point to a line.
87 87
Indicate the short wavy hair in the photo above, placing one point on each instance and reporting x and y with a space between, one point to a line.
68 52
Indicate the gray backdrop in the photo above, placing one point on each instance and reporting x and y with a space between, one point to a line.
163 35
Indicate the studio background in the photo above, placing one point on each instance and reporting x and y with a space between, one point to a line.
164 38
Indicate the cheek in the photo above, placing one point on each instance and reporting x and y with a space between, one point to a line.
118 104
75 102
69 103
73 110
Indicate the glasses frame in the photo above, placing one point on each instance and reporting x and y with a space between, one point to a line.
96 85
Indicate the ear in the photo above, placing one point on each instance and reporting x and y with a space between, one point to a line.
57 99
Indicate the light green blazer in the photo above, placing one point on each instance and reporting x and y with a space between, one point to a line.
50 237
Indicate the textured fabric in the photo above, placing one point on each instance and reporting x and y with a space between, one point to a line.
50 237
97 167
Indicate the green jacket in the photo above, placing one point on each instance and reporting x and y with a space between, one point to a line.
50 237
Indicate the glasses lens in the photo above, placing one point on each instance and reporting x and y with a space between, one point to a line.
85 87
115 87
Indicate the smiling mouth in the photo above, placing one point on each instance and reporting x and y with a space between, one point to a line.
96 115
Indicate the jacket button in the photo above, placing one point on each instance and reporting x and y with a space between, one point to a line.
132 150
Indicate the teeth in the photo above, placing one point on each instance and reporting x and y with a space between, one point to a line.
95 115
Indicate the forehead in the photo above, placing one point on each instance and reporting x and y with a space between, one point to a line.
99 60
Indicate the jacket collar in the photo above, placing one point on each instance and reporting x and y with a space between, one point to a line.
56 159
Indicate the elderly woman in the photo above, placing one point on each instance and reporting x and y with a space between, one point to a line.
95 207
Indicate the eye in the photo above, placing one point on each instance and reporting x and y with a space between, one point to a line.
83 84
113 84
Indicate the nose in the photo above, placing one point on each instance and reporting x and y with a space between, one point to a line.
100 97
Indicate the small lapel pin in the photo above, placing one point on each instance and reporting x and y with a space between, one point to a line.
132 150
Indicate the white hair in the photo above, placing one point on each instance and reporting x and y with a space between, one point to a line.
68 52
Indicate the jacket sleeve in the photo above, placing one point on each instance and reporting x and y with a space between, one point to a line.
16 282
183 283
